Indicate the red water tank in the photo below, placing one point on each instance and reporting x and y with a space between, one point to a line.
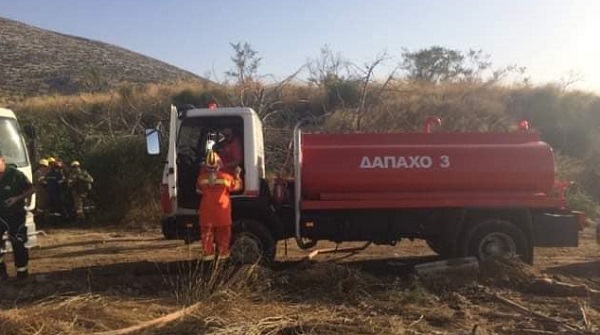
347 164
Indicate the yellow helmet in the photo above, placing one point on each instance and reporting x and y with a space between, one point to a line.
51 160
212 159
44 162
75 163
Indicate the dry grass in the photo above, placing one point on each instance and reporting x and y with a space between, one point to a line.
77 315
321 298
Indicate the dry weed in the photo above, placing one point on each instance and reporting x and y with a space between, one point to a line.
76 315
507 272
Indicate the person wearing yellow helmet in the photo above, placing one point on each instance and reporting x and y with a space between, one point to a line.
54 183
80 183
215 206
41 195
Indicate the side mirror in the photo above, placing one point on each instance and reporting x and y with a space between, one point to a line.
152 141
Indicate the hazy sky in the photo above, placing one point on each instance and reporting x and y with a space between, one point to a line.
550 38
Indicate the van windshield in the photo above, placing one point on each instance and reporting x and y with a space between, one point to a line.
11 143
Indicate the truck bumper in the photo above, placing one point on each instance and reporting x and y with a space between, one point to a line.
556 229
180 228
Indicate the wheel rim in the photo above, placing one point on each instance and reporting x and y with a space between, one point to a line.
246 249
497 245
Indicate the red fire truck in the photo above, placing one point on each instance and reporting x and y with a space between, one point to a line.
478 194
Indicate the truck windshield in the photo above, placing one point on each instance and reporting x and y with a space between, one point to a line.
11 143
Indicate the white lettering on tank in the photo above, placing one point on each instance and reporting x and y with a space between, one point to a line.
414 162
426 162
389 162
402 162
445 161
377 163
365 163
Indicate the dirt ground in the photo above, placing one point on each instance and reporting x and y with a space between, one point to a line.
97 280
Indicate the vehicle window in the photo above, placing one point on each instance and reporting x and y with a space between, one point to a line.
11 143
191 151
194 133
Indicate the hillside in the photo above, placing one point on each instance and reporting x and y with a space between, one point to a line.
35 61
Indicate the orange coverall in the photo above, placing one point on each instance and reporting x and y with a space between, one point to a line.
215 211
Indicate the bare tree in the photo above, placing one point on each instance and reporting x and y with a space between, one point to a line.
246 63
368 82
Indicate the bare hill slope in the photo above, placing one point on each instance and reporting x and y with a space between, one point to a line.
35 61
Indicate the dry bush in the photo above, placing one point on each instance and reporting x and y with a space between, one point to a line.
511 273
322 298
329 282
72 126
196 281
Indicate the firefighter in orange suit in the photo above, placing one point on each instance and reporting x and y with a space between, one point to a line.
215 206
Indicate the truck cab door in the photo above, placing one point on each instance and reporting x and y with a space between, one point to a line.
172 156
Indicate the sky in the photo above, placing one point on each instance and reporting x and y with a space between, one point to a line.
556 40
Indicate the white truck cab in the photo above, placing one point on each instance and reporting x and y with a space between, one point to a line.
12 145
189 132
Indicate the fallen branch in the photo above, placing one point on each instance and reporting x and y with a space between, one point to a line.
156 322
586 321
550 286
412 324
527 311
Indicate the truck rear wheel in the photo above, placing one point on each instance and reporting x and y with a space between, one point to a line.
252 242
495 238
440 246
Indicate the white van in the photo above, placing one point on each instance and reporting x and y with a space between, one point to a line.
12 145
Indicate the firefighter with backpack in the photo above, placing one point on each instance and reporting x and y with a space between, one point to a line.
80 183
215 206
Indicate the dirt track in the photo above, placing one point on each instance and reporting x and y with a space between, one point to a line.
109 279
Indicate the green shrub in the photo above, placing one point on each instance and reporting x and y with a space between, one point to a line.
126 177
578 199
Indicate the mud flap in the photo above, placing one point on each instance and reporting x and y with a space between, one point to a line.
555 230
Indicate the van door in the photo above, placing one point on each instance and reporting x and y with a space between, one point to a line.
172 157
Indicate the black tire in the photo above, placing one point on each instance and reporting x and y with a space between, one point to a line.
440 246
252 242
497 238
167 231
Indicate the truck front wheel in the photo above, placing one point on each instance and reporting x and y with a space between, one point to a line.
497 239
252 242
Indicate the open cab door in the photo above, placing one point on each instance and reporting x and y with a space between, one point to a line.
169 181
172 156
